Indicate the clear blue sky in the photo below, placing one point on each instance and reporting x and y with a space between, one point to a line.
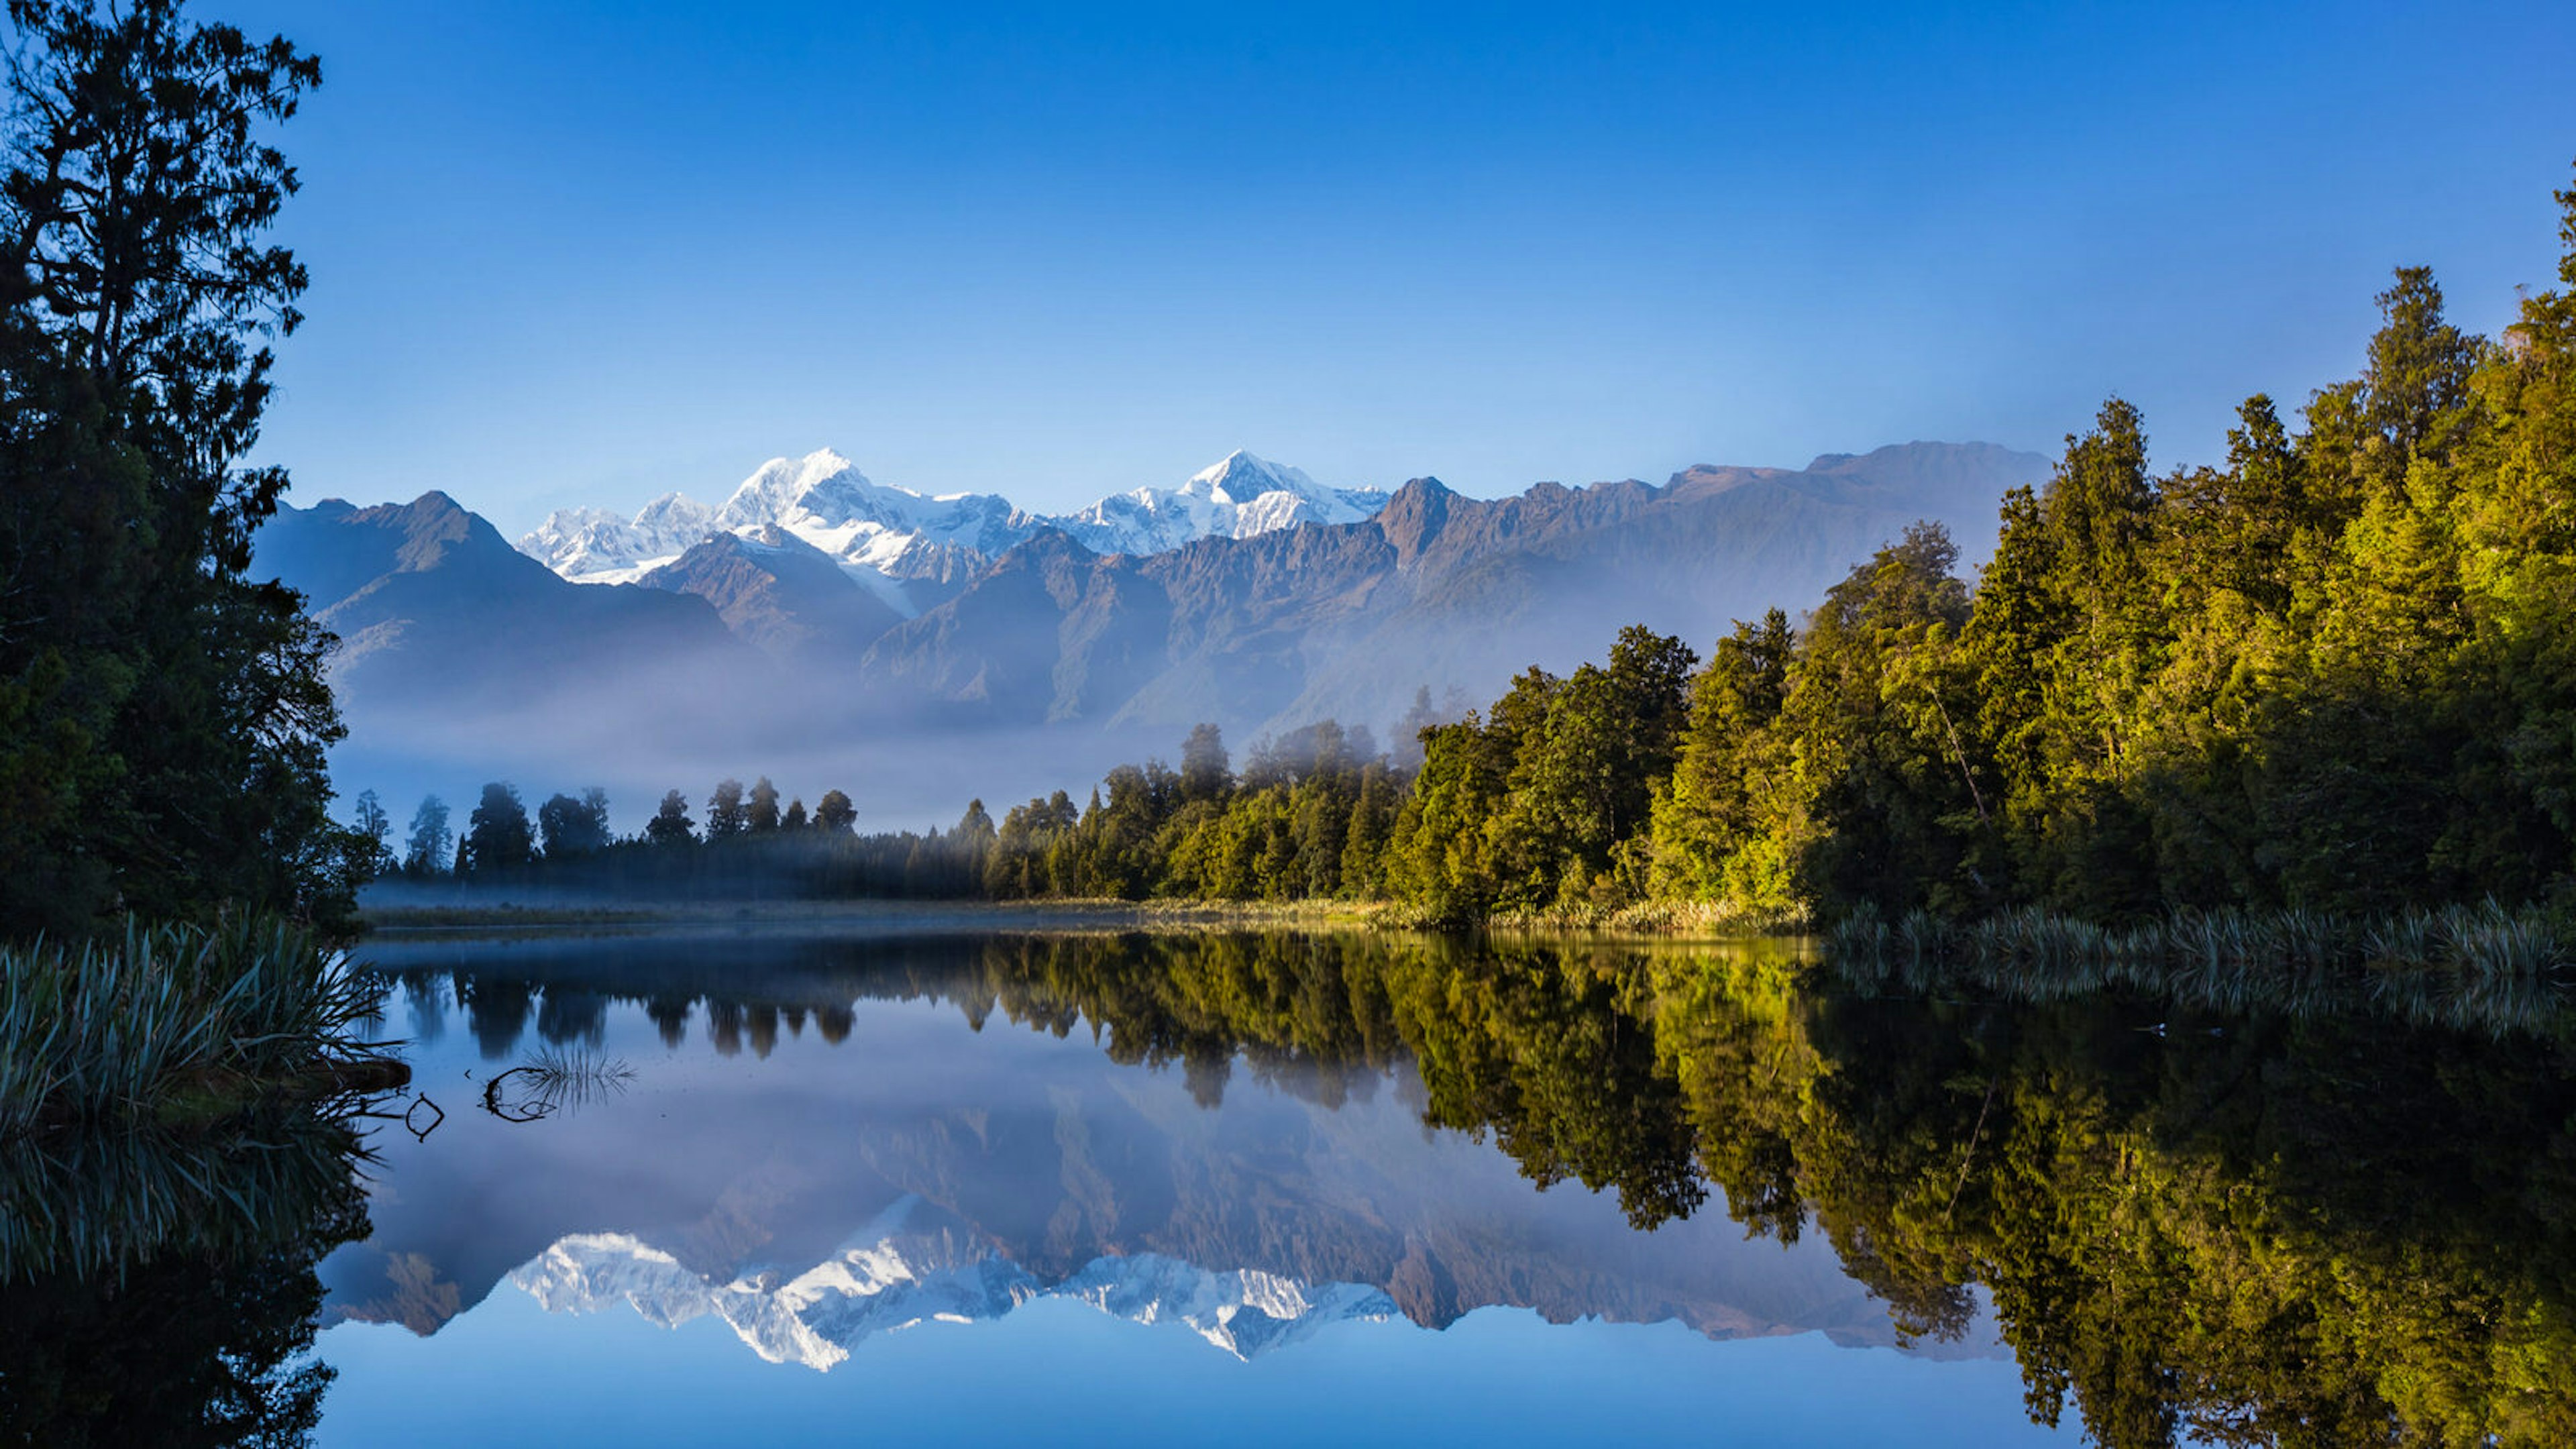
585 252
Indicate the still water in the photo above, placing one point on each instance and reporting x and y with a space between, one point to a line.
744 1185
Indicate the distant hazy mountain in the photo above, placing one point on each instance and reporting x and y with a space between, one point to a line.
779 593
1434 590
432 605
818 615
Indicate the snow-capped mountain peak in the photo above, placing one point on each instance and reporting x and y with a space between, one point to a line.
883 534
1240 496
1239 477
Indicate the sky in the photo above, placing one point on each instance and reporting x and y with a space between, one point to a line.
583 253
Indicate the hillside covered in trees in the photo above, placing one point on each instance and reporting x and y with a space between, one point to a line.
2337 673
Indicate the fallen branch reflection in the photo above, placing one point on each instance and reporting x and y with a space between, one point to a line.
553 1081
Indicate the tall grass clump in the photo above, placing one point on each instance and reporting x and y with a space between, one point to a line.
160 1019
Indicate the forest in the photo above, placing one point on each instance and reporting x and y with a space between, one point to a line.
2335 674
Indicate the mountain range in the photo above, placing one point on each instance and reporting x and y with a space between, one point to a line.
815 616
907 547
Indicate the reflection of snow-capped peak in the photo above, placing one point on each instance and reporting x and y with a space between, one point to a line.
892 1276
872 527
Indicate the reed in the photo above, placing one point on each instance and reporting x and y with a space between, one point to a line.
158 1021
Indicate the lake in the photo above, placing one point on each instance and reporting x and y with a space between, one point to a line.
757 1183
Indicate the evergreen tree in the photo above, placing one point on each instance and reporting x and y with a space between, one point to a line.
570 827
163 719
430 843
726 817
1206 772
373 828
835 813
761 816
670 824
497 835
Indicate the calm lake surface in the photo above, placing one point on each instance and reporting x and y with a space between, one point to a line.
748 1184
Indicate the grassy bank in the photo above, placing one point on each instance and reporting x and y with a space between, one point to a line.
177 1026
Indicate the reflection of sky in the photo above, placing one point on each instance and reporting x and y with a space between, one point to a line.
1057 1372
785 1143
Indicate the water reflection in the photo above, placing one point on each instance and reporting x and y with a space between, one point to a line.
2282 1226
161 1290
2268 1224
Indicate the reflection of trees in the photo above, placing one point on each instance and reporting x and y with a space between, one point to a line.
162 1292
2269 1229
567 1018
497 1010
2328 1231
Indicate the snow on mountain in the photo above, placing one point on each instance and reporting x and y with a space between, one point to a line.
593 545
1237 498
880 533
891 1276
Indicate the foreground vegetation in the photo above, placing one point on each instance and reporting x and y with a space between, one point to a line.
166 854
176 1024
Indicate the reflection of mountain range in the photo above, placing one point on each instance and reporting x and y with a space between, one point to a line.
907 1269
895 1162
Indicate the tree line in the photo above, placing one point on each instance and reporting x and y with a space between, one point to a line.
2336 672
747 845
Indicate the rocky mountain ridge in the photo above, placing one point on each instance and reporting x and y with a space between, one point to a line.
902 545
763 644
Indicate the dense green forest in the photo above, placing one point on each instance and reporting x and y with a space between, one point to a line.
2336 674
163 717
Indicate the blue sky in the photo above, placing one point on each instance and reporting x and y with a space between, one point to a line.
582 253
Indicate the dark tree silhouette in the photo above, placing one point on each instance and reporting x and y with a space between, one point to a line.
670 824
835 813
431 843
497 836
726 817
163 719
573 827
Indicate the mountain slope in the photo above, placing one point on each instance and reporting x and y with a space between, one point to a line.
780 594
430 602
1434 590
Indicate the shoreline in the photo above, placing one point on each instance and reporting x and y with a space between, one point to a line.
422 920
935 916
